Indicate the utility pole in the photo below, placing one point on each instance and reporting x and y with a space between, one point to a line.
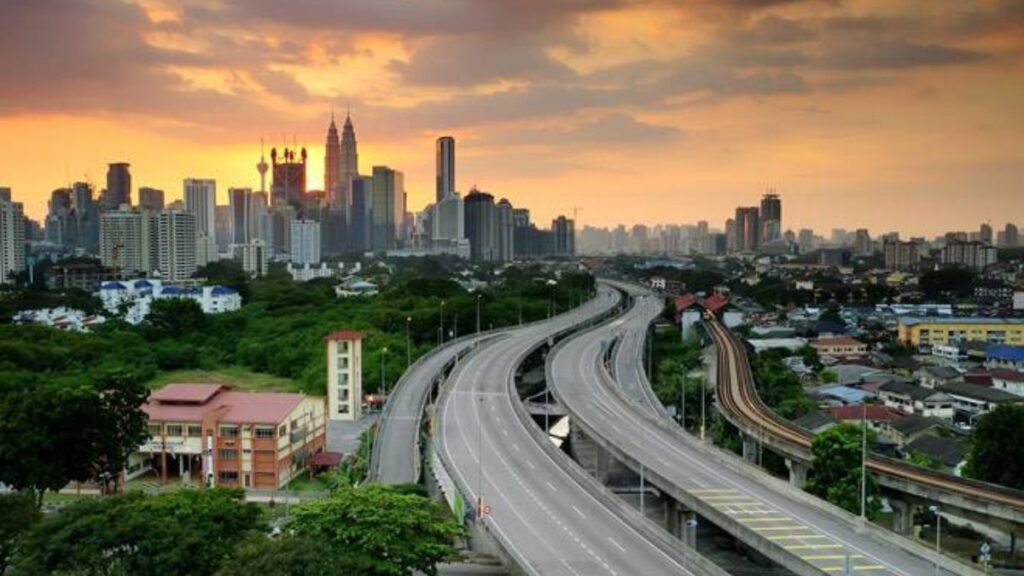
408 342
938 534
863 460
383 382
440 326
478 313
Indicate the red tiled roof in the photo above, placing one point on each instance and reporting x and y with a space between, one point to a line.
872 412
327 459
685 301
715 302
978 377
186 393
236 407
345 335
1008 375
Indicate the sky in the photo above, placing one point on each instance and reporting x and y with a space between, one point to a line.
886 114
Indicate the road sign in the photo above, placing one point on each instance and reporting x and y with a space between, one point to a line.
691 523
985 553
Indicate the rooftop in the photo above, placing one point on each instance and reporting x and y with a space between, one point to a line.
837 341
977 392
914 391
946 450
916 320
345 335
1007 375
870 412
186 393
191 402
1011 353
914 423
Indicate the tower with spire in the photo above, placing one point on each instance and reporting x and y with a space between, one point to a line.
262 168
349 161
332 169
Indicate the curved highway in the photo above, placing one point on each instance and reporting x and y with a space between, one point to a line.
396 456
536 508
768 515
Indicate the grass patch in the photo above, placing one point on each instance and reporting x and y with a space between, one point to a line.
305 483
237 377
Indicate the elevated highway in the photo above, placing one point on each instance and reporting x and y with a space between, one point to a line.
794 529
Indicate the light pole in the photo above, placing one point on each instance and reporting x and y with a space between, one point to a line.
863 460
480 458
938 534
682 401
703 401
455 325
408 342
478 313
440 326
383 384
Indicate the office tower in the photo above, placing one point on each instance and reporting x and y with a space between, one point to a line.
747 229
123 242
221 227
481 226
506 231
349 161
805 239
563 231
200 197
277 228
56 225
176 245
974 255
862 241
985 233
305 242
253 257
388 210
240 207
151 199
771 216
445 167
119 186
1010 236
520 232
838 236
361 214
86 216
289 176
332 168
901 256
257 209
12 237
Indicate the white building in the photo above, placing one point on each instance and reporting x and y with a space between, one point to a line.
1018 299
125 243
306 272
136 297
345 375
12 237
305 242
201 199
253 256
60 318
176 245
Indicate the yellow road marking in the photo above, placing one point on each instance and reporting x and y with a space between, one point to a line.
811 546
862 567
796 537
829 557
779 519
777 528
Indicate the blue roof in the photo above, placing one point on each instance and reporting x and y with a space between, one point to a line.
143 284
222 291
113 286
1011 353
171 290
847 394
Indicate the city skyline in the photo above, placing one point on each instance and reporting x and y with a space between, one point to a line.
703 107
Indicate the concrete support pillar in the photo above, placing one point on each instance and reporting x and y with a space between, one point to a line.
672 517
690 529
749 448
903 517
797 473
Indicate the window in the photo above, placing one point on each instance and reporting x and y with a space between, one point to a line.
227 454
264 432
228 476
229 431
195 431
154 430
174 429
282 431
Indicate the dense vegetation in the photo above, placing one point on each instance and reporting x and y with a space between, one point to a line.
836 469
778 386
997 447
675 359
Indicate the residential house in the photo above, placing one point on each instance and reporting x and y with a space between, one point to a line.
911 427
1008 380
815 422
972 400
914 399
840 347
932 376
950 453
1008 357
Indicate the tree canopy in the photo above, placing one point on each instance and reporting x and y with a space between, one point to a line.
997 447
18 513
836 470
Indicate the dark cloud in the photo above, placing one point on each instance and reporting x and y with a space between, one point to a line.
894 54
474 59
612 129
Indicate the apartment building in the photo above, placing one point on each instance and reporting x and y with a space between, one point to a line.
919 331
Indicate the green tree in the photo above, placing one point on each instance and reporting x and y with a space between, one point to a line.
382 531
997 447
18 513
836 469
185 532
286 555
828 376
174 317
120 426
832 314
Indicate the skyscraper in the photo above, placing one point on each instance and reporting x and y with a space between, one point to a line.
12 237
506 231
119 186
747 229
240 204
289 176
445 167
332 169
151 199
985 233
123 242
388 208
176 245
563 232
349 162
862 241
361 215
1010 235
771 216
481 226
201 199
305 242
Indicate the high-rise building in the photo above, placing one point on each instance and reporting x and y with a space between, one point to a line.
125 245
253 257
289 176
361 214
1010 236
985 233
481 226
86 215
12 237
332 169
176 245
388 212
902 256
771 216
563 231
521 232
305 242
447 221
344 375
805 240
862 241
974 255
119 186
349 161
747 229
200 196
57 224
445 167
257 209
151 199
240 205
506 231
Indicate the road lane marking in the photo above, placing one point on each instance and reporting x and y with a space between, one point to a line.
578 512
830 556
552 486
811 546
530 464
777 528
617 545
778 519
796 537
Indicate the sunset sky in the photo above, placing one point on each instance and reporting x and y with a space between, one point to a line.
886 114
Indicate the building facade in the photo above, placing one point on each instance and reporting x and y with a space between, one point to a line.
12 239
481 226
119 186
445 168
344 375
925 331
305 242
176 245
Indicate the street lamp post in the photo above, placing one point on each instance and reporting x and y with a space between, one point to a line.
478 313
440 326
408 342
682 402
480 458
863 460
383 382
938 534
